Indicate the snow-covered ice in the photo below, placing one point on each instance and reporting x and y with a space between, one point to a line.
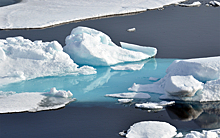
154 106
37 13
213 3
204 134
194 4
128 67
151 51
91 47
125 100
59 93
131 30
206 70
179 135
151 129
129 95
182 86
33 101
22 59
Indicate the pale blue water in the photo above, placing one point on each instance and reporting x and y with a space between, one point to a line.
93 88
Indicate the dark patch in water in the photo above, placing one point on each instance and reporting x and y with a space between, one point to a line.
8 2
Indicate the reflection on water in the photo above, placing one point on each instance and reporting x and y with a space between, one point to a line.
205 115
8 2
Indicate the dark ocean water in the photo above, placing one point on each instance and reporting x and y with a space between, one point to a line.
177 32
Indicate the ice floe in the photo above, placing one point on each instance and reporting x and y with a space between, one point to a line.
194 4
33 101
128 67
149 129
37 13
22 59
91 47
203 134
129 95
213 3
181 72
131 30
59 93
154 106
125 100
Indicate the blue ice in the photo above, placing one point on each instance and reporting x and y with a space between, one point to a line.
93 88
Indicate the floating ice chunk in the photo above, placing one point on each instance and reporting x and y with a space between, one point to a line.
149 129
125 100
22 59
149 106
179 135
147 88
202 69
182 86
128 67
154 106
194 4
91 47
61 93
129 95
153 79
131 30
37 13
31 102
151 51
214 3
204 134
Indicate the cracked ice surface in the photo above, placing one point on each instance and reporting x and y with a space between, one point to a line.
37 13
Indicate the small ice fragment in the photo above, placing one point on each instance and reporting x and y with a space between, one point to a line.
128 67
153 79
194 4
179 135
125 100
214 3
131 30
129 95
152 106
164 103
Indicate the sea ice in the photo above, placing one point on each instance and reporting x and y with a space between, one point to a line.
37 13
33 102
151 129
60 93
205 70
131 30
194 4
182 86
179 135
129 95
22 59
128 67
214 3
125 100
88 46
151 51
154 106
204 134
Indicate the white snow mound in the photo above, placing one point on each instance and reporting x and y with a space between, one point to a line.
194 4
125 100
22 59
149 129
60 93
91 47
